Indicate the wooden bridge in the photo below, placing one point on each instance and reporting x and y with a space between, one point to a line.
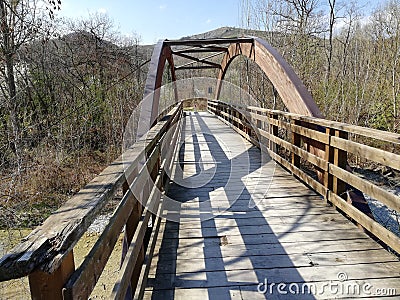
234 202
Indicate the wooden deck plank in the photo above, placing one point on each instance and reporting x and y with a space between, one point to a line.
249 220
219 221
256 239
182 265
270 249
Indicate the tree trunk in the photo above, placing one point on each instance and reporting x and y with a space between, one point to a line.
11 98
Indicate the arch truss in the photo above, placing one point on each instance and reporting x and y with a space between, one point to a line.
203 53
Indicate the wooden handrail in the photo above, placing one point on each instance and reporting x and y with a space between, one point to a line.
359 130
46 255
332 162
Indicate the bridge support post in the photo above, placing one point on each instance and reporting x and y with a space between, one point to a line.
327 177
230 116
340 160
217 110
50 286
130 229
273 130
240 117
259 123
296 141
337 157
237 118
245 122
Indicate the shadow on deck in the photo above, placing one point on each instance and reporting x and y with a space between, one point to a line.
241 224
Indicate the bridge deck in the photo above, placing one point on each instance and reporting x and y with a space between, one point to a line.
244 220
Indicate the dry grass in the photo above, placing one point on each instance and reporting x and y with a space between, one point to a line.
28 198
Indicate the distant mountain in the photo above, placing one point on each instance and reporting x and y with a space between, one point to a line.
226 32
222 32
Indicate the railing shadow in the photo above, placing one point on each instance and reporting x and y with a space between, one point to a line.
224 264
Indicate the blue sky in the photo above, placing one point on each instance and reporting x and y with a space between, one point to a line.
155 19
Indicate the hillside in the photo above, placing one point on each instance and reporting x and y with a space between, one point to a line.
226 32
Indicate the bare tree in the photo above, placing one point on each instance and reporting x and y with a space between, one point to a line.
21 23
385 32
335 7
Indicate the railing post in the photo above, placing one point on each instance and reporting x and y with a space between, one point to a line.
340 160
296 140
328 178
236 115
230 116
245 127
273 130
241 119
130 229
154 174
50 286
259 123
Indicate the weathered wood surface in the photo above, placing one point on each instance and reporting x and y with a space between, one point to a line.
384 157
234 235
366 132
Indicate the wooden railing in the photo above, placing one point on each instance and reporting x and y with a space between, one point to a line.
46 255
291 138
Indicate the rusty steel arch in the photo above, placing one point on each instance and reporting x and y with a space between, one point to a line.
149 110
291 89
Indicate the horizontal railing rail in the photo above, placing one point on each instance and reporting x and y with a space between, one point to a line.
46 255
324 144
